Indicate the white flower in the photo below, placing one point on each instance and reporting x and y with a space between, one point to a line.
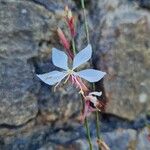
60 60
92 98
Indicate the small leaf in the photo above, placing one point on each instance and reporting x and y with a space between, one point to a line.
82 57
59 59
91 75
53 77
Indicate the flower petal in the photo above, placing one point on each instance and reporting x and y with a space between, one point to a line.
53 77
59 59
95 93
91 75
92 99
82 57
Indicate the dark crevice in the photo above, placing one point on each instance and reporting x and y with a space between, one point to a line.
44 4
12 127
51 6
144 3
87 4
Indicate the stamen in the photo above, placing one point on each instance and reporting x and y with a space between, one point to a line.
72 79
67 79
56 86
70 71
78 83
82 93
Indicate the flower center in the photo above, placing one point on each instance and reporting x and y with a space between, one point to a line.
70 71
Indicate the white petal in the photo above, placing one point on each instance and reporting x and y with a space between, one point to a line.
53 77
59 59
91 75
95 93
83 56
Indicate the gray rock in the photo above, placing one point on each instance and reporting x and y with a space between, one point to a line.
20 35
32 115
120 139
56 5
143 139
18 102
26 37
117 140
123 52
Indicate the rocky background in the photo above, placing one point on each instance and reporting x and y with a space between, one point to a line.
32 116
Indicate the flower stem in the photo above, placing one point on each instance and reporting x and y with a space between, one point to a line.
97 125
85 21
88 134
88 40
97 121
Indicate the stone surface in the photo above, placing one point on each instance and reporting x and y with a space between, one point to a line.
57 5
116 140
144 139
21 33
18 102
26 37
123 51
32 115
120 139
40 134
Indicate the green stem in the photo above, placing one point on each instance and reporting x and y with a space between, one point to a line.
98 127
88 40
87 128
85 21
88 134
97 124
97 121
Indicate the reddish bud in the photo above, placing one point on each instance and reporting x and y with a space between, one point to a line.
63 39
148 137
64 42
70 21
71 26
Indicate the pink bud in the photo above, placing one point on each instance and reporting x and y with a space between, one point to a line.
64 42
70 21
71 26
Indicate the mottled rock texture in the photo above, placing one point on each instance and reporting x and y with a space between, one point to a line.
123 50
34 117
144 139
26 38
18 33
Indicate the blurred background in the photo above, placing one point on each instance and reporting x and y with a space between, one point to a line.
32 116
